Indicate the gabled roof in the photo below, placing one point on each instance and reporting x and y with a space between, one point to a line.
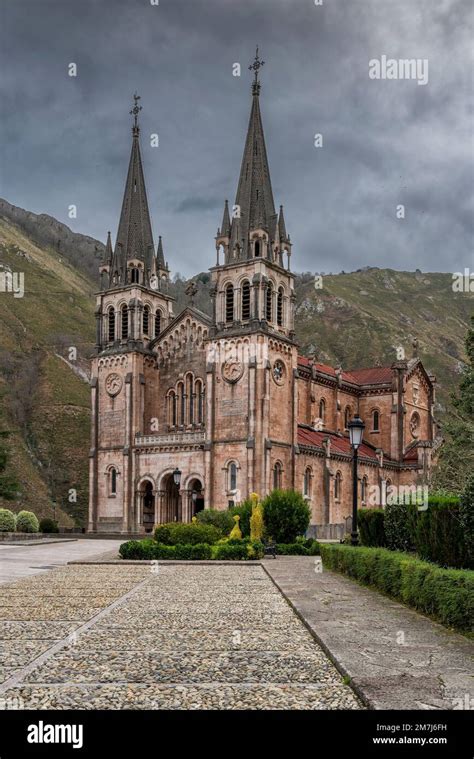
339 444
377 375
195 313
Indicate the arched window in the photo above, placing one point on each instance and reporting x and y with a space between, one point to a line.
199 402
280 307
268 303
190 389
157 322
246 301
347 417
134 275
337 486
229 303
146 320
232 475
172 409
112 481
376 421
277 475
124 322
364 486
257 248
181 403
307 482
111 323
322 410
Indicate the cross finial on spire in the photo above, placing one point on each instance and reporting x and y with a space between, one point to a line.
136 110
256 66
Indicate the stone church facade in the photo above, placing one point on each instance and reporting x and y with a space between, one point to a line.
226 401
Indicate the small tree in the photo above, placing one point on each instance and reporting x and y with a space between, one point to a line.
27 522
7 520
285 515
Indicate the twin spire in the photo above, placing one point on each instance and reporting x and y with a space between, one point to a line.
253 229
253 216
134 259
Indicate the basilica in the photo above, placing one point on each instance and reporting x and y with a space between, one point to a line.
193 411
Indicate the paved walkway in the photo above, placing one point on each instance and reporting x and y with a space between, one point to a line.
25 560
396 658
155 637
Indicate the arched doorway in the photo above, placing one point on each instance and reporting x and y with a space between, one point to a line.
172 510
148 507
197 497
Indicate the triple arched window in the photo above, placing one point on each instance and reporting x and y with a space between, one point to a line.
185 403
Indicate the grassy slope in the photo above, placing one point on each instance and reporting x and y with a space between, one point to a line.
48 451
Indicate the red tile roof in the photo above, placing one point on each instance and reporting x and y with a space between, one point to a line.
308 436
376 375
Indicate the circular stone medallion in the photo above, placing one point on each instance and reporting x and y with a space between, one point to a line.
232 370
279 372
113 384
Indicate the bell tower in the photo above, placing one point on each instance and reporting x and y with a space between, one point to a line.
252 351
133 308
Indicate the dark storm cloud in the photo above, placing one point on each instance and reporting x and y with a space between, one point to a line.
66 140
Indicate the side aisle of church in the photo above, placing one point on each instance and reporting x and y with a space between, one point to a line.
192 411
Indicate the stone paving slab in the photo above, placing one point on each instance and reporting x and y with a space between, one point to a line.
396 658
230 641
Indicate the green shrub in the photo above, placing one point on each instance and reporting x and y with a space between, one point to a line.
48 525
151 550
176 533
222 520
466 515
299 548
446 594
399 526
26 521
286 515
232 550
371 527
440 535
7 520
244 510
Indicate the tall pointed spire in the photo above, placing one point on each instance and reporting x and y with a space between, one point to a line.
225 226
254 199
160 256
134 237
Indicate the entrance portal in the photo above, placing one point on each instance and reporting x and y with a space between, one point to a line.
172 509
148 508
197 497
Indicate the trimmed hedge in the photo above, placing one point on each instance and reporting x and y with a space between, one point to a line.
26 521
371 527
302 548
445 594
179 533
151 550
399 524
7 521
440 535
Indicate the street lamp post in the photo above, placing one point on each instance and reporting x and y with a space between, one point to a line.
177 482
356 433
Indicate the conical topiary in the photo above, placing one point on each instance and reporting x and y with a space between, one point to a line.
235 533
256 520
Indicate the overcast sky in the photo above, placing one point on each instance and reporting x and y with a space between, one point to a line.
66 140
